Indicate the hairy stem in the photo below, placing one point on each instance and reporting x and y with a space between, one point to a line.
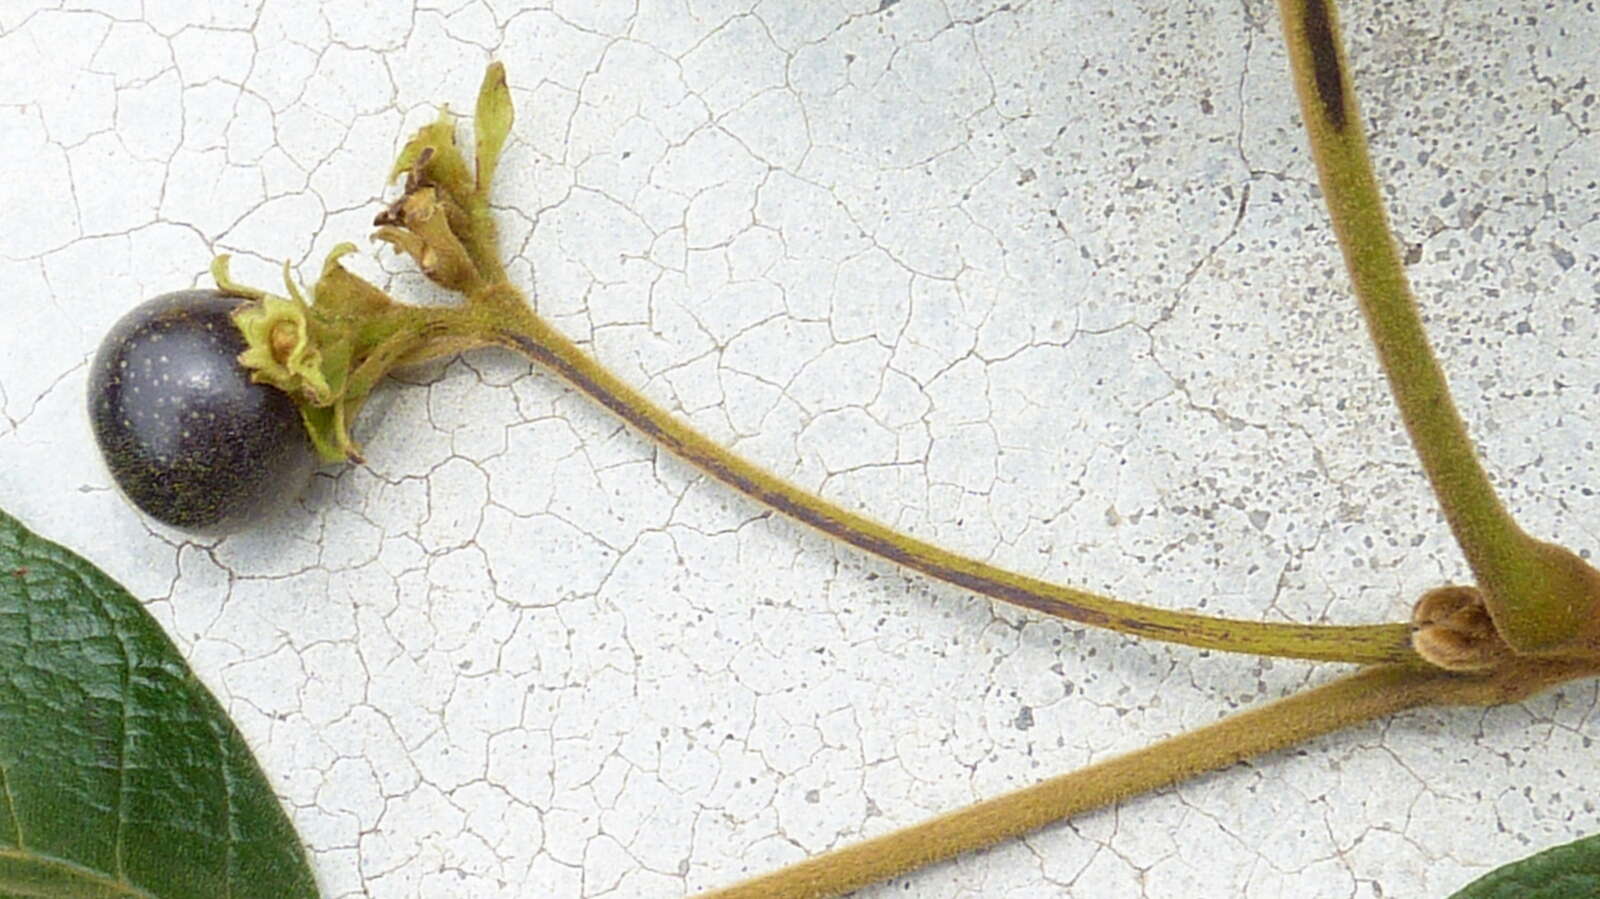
1371 693
1539 595
526 332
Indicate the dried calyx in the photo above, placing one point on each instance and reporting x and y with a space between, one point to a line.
328 353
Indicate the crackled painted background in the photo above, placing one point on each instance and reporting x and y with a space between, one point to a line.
1046 282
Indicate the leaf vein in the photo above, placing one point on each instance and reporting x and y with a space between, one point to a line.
115 885
11 809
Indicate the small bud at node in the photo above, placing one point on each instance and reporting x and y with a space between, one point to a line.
1452 629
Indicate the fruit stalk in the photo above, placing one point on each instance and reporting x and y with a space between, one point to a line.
529 334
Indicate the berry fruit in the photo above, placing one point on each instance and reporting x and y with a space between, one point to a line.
188 437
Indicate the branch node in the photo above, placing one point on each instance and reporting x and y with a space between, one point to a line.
1451 628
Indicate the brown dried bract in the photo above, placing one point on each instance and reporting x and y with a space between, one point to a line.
1452 629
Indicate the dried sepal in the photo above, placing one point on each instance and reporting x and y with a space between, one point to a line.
418 224
339 293
491 123
280 350
432 154
226 284
329 439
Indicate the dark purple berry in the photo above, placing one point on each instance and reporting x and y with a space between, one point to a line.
186 434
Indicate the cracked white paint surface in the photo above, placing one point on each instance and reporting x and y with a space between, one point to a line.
1048 283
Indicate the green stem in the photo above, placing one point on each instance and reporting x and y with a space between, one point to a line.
523 330
1538 594
481 240
1366 695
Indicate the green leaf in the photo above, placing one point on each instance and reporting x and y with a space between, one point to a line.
120 774
1558 873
